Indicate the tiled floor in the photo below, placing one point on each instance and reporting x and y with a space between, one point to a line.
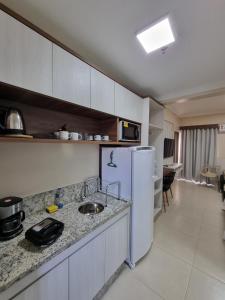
187 260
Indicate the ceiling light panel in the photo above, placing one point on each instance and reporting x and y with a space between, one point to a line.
157 36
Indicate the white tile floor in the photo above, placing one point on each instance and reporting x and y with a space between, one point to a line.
187 260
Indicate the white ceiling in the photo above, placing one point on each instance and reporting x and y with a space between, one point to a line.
103 31
208 104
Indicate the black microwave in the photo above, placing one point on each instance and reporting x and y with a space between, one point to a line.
129 132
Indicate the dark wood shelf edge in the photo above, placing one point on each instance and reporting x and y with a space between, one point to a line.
54 141
23 96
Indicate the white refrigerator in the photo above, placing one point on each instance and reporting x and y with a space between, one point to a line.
133 167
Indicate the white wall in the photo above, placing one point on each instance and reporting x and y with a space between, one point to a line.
171 124
28 169
168 133
145 122
202 120
172 118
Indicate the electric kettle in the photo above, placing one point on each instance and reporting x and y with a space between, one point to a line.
13 122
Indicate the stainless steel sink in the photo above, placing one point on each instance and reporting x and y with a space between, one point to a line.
91 208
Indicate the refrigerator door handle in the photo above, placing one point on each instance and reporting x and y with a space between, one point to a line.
143 148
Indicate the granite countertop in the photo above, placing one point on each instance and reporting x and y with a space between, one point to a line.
18 257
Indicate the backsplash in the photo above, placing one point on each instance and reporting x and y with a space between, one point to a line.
38 202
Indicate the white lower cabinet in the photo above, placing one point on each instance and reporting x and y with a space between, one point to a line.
86 270
83 273
116 246
92 266
52 286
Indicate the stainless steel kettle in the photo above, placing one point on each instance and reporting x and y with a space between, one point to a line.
13 122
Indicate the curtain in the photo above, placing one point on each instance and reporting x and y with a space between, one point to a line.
198 149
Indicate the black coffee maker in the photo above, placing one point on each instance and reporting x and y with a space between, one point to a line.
11 217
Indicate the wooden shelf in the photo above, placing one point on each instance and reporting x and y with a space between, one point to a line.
44 115
55 141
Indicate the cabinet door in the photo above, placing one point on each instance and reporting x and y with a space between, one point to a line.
102 92
25 56
86 270
116 246
127 104
71 78
52 286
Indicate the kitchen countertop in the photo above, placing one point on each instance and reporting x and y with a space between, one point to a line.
18 257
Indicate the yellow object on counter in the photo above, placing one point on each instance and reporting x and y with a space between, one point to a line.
52 208
125 124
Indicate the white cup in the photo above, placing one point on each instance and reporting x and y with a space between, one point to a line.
75 136
64 135
97 137
105 138
56 134
90 137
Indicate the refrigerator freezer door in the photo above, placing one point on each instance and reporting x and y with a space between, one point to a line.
143 203
116 166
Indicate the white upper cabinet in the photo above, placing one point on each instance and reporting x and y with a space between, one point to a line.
102 92
127 104
30 61
71 78
25 56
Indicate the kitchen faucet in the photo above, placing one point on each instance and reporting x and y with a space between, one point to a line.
84 189
107 188
83 192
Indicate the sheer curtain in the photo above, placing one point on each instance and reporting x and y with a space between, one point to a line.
198 149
